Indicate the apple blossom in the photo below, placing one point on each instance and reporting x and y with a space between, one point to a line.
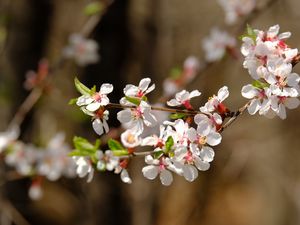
82 50
183 98
216 44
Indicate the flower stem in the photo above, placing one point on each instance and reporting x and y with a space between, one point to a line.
164 109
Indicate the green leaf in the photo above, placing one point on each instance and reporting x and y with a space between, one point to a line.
72 101
93 8
84 148
133 100
175 116
115 145
175 73
120 152
169 144
249 33
93 90
158 154
84 90
260 85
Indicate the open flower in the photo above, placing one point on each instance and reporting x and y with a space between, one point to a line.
95 101
215 103
216 44
183 98
84 167
130 138
158 167
135 118
83 51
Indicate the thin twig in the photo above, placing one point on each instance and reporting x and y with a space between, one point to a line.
234 117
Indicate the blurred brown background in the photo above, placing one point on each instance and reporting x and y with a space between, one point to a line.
254 178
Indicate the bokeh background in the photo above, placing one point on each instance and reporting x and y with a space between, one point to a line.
254 178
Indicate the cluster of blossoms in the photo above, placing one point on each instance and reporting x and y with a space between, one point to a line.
51 162
269 61
217 44
236 8
183 145
83 51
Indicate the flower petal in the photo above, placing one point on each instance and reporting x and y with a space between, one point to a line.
150 172
166 177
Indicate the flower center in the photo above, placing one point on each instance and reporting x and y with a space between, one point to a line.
202 140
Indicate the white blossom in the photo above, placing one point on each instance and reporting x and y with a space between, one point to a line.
183 98
83 51
216 44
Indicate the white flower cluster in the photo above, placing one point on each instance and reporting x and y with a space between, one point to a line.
83 51
51 162
106 161
236 8
216 45
139 112
269 61
183 149
93 104
179 148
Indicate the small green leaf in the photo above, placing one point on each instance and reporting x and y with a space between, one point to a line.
84 90
169 144
176 116
175 73
84 148
72 101
115 145
120 152
260 85
158 154
93 8
250 33
133 100
93 90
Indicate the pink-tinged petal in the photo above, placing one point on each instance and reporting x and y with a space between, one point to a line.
194 93
149 119
281 112
173 102
124 116
207 154
104 100
201 165
284 35
254 106
151 88
270 78
291 53
203 128
130 90
293 79
180 153
217 118
106 89
200 117
150 141
166 177
273 31
98 126
190 173
90 175
144 83
249 92
105 125
292 103
192 134
93 106
150 172
291 92
214 138
84 100
223 93
182 96
125 177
